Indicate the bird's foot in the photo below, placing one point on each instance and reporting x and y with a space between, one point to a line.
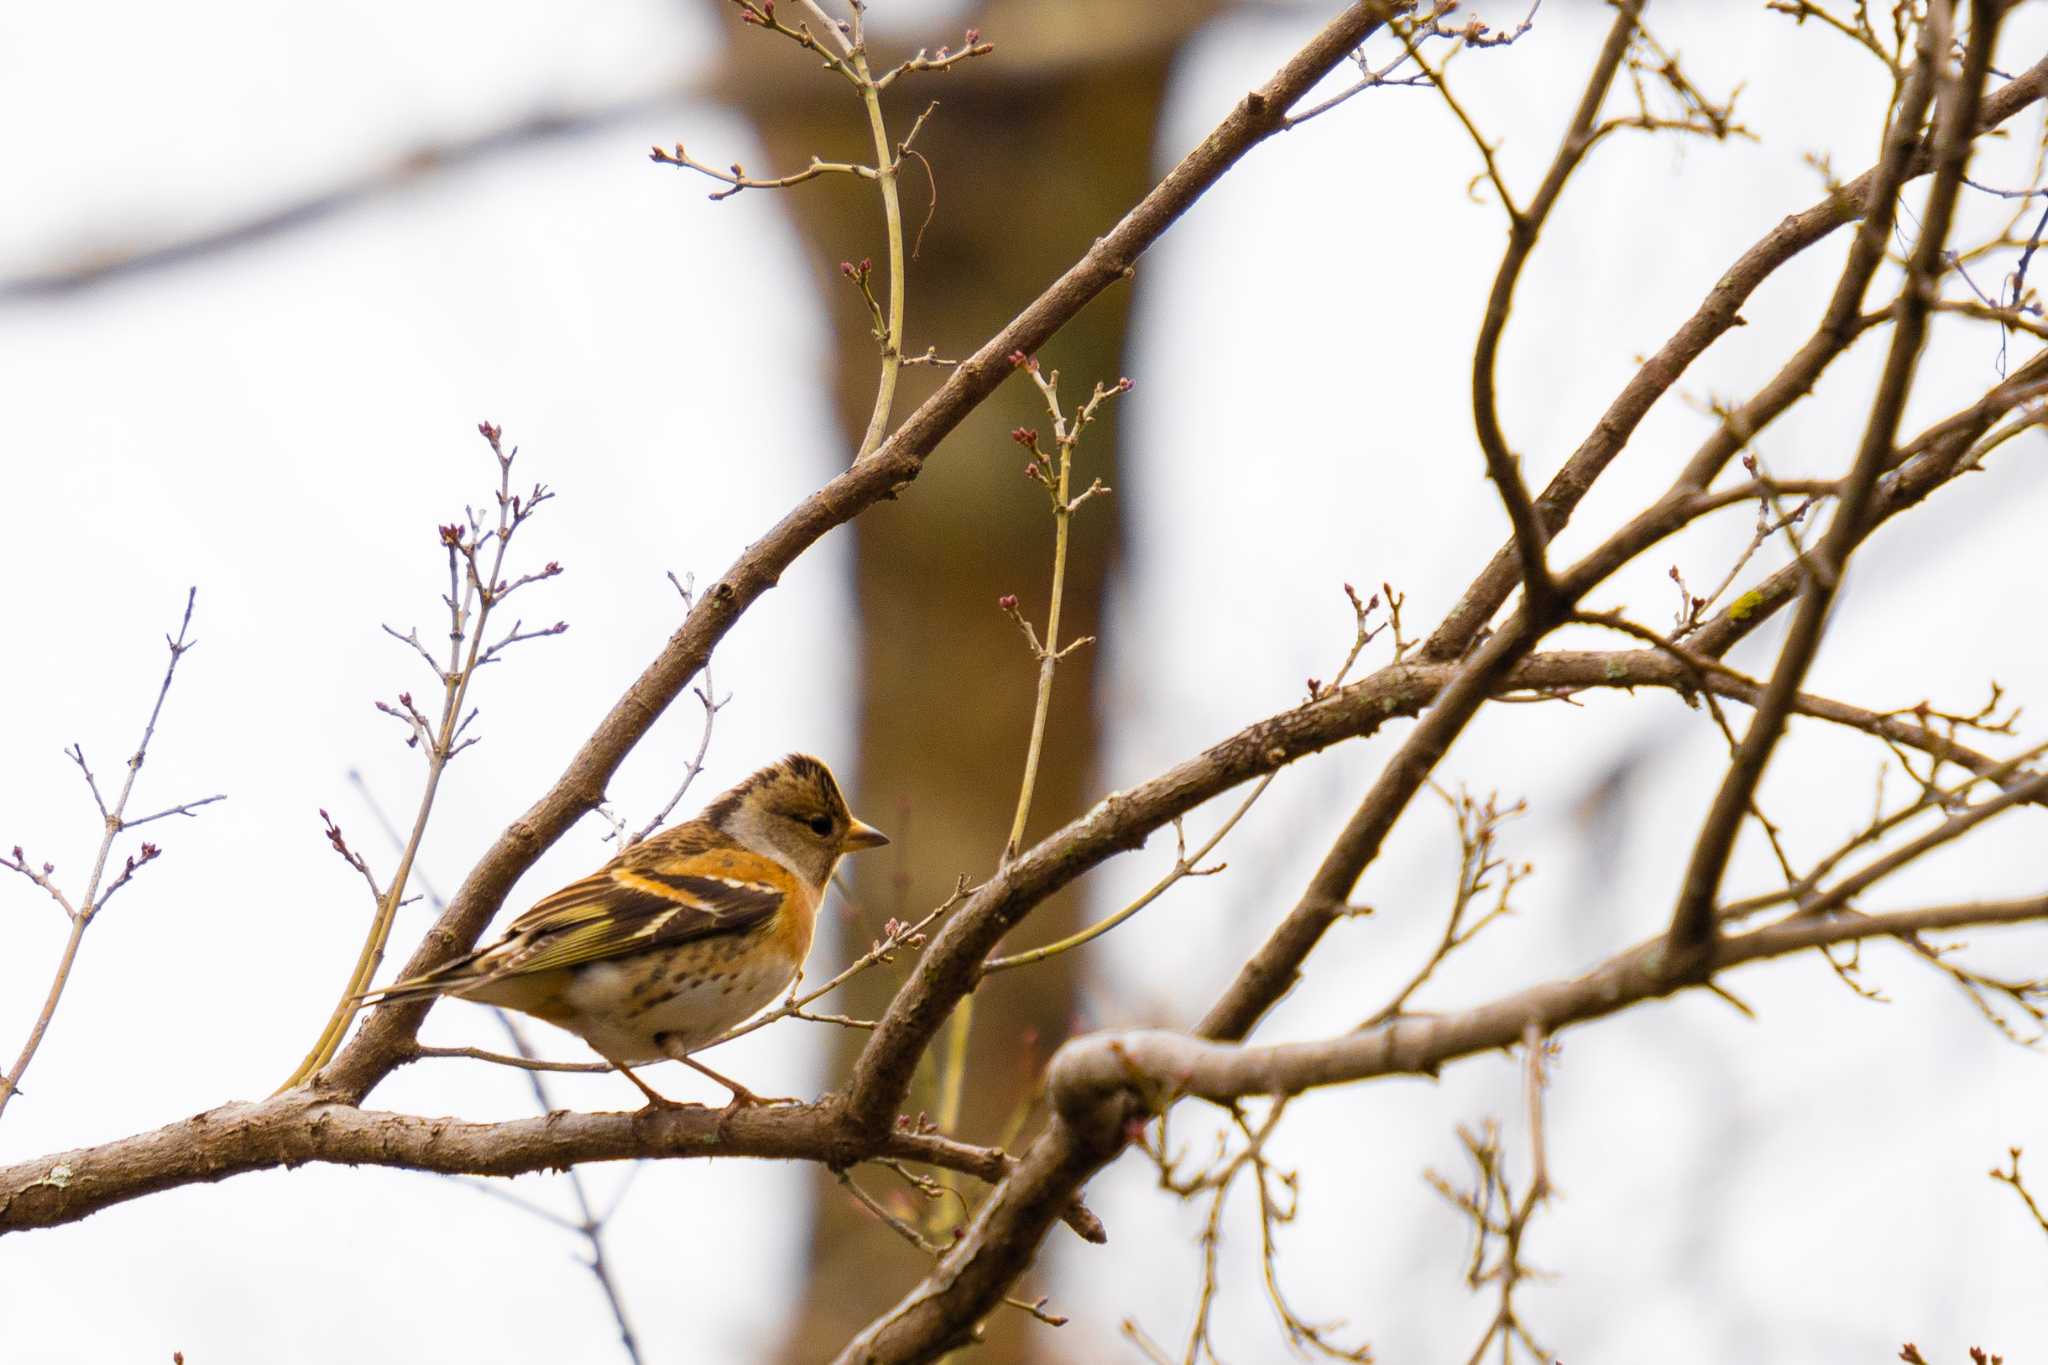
743 1098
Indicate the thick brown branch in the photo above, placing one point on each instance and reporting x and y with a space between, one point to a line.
974 1276
1162 1066
296 1128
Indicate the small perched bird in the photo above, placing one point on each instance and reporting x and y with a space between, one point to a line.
679 937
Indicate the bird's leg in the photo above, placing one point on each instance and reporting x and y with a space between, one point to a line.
742 1098
655 1100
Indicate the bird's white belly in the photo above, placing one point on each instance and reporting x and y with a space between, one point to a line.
632 1013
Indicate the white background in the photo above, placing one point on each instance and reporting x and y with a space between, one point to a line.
284 427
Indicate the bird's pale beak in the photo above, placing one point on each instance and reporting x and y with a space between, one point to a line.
862 835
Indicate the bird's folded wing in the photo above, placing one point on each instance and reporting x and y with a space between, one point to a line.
640 903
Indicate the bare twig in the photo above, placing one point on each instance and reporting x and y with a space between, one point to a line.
902 1228
1414 30
1500 1219
94 897
945 59
706 692
736 178
895 934
1185 864
1478 824
2011 1176
407 170
1052 471
847 56
475 587
521 1062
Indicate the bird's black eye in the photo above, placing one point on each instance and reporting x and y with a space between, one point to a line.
821 825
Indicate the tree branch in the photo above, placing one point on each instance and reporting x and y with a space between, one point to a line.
1692 918
1524 226
404 171
298 1127
114 823
1166 1065
1103 1085
1717 314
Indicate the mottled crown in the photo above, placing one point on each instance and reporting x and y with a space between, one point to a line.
797 779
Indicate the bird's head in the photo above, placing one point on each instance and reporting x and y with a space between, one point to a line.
793 811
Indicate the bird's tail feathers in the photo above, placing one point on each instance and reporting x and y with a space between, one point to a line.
447 977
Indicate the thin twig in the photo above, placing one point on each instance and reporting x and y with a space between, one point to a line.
522 1062
473 591
2011 1176
114 823
895 934
1478 826
1053 471
1186 865
736 178
706 693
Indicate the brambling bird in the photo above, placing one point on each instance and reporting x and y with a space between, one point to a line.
682 935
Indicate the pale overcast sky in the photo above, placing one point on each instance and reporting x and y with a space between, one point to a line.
284 425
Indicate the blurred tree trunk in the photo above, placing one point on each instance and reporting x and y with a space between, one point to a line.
1034 152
